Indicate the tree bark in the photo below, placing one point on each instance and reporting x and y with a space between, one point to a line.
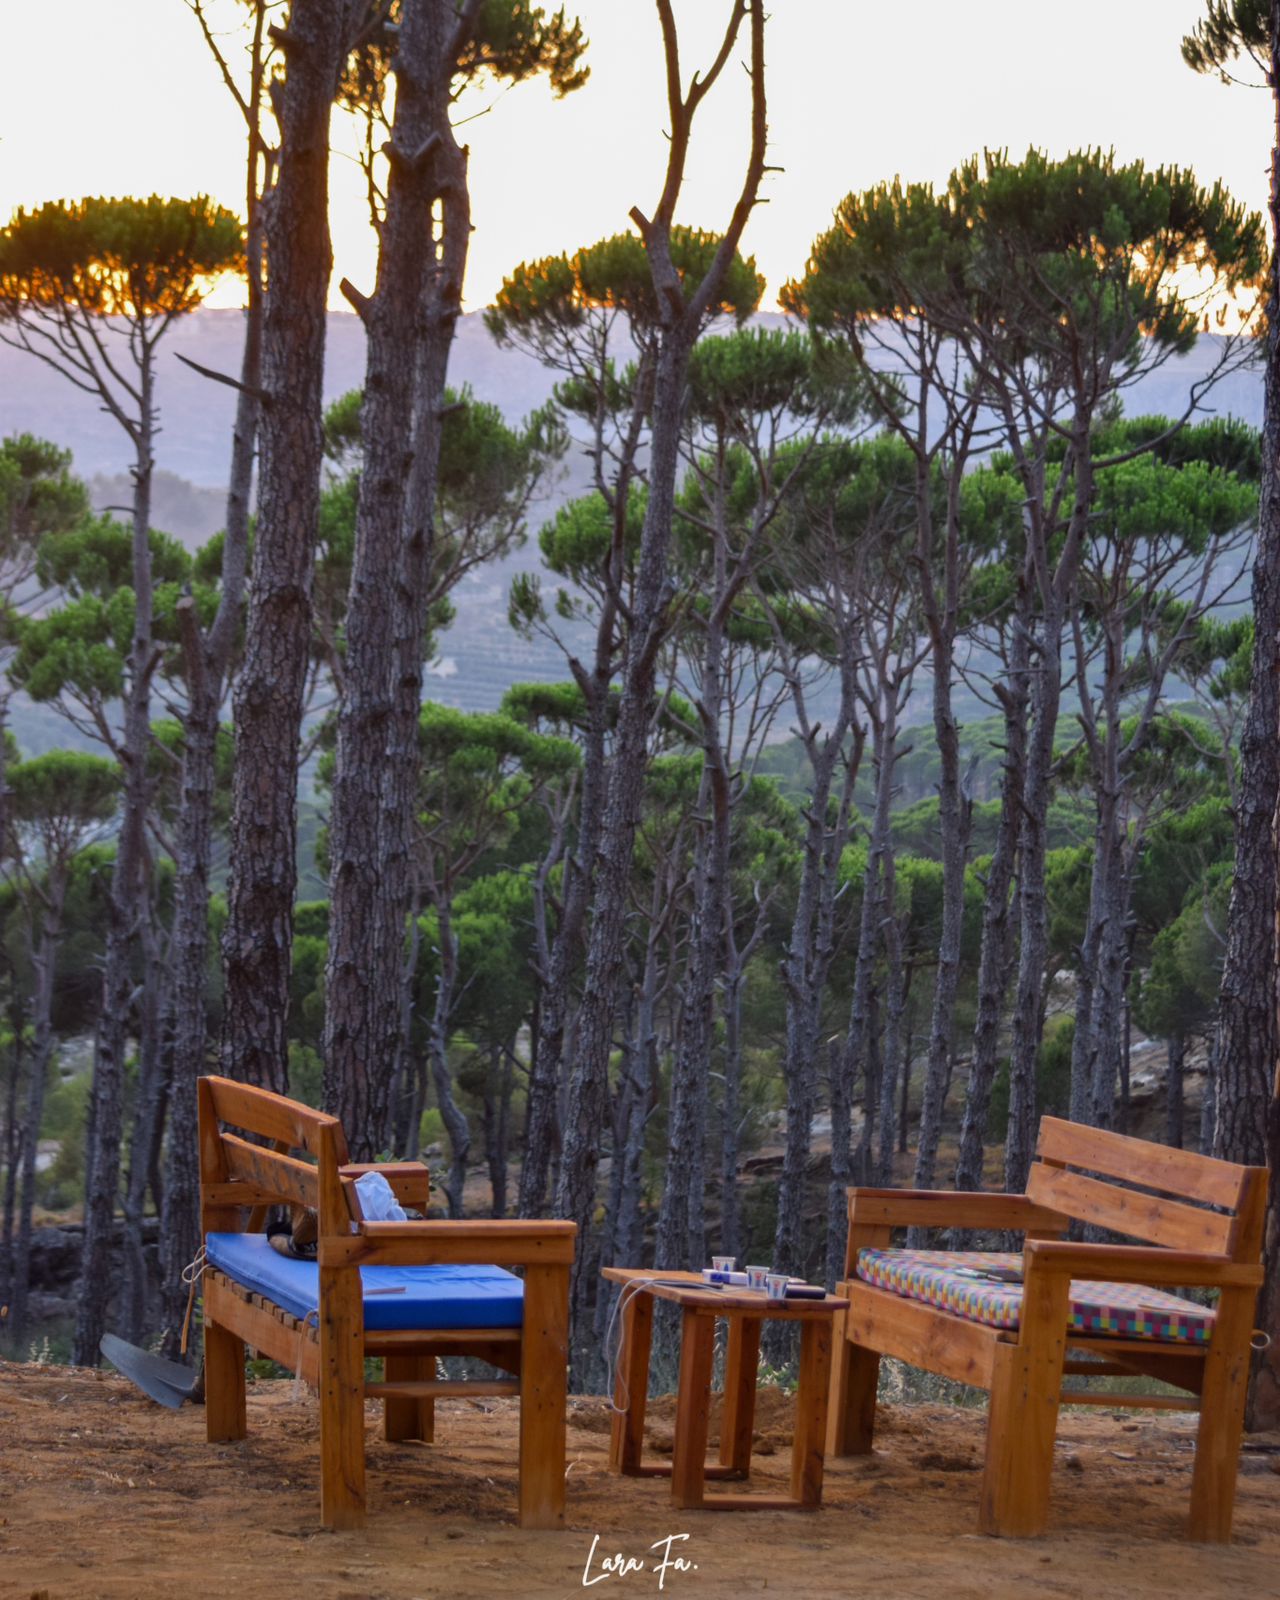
1174 1086
399 419
126 907
997 946
1248 1041
855 1057
455 1121
45 961
684 316
257 946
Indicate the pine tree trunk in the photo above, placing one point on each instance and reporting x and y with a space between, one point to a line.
856 1054
895 1065
440 306
587 1109
805 972
954 814
257 945
455 1121
1248 1042
12 1161
206 661
1174 1085
366 910
681 1237
41 1057
150 1100
546 1068
997 946
126 907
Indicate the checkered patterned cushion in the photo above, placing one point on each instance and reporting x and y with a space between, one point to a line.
1106 1310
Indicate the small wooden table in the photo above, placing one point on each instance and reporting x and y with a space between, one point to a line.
744 1310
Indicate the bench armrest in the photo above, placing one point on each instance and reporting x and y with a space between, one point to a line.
949 1208
1145 1264
466 1243
410 1181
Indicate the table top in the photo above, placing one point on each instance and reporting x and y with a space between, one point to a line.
688 1289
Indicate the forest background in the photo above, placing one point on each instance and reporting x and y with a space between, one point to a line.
883 764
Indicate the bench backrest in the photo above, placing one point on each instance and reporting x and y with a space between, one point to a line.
1151 1192
235 1172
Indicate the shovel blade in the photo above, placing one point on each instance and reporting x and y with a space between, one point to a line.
168 1383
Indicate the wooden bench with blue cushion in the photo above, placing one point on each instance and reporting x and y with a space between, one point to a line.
408 1292
1013 1324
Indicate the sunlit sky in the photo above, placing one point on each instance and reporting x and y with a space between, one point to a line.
120 96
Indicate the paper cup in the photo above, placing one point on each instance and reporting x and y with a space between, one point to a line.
722 1263
775 1285
756 1278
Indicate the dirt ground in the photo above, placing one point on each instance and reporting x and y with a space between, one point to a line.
104 1496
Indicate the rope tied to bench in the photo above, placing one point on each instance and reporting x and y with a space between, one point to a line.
191 1275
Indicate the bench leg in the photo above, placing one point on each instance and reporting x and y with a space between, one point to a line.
410 1419
1026 1383
851 1408
224 1413
544 1358
1222 1401
341 1398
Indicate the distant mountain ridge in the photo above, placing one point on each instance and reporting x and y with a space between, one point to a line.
196 414
480 654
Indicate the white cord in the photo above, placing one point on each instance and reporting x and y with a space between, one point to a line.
613 1349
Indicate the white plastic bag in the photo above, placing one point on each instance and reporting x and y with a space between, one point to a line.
377 1199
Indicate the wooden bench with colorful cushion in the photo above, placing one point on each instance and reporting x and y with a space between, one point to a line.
1013 1324
406 1291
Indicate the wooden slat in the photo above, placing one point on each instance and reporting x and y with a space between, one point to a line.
282 1176
1144 1216
409 1419
215 1217
920 1334
258 1328
440 1388
492 1243
1154 1166
1179 1364
933 1208
271 1116
1123 1263
380 1341
754 1502
238 1194
1130 1402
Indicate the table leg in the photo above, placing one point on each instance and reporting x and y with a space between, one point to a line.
693 1403
739 1415
631 1388
811 1411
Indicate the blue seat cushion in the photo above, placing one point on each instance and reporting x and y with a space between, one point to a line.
421 1297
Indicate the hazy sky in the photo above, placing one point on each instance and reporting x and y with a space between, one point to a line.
120 97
